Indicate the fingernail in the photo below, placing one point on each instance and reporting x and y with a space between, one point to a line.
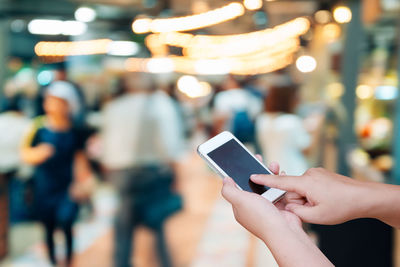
288 207
254 176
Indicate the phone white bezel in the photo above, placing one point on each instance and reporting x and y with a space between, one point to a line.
273 194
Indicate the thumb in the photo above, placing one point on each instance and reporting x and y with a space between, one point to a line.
287 183
306 213
229 191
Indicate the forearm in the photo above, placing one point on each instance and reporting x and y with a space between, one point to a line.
30 156
381 201
294 248
82 167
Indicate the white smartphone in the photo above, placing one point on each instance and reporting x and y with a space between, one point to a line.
228 157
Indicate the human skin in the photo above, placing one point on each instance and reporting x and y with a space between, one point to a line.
57 115
323 197
279 229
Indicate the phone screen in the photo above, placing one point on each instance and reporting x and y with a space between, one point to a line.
238 164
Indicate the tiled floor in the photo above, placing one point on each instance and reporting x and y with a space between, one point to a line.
203 234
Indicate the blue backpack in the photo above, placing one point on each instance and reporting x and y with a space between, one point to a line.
243 127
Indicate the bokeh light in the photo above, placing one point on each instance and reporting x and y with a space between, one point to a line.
45 77
331 31
192 22
386 92
141 25
364 91
306 64
252 4
160 65
342 14
322 16
85 14
56 27
123 48
335 90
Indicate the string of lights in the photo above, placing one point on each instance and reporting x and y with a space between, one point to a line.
188 23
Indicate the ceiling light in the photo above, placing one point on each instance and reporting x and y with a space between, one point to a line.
252 4
123 48
160 65
85 14
72 27
56 27
45 26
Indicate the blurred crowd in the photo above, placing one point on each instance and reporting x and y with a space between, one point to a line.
55 144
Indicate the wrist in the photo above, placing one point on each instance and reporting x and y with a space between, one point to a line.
370 199
382 202
291 246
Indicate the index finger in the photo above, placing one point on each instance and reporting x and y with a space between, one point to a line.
287 183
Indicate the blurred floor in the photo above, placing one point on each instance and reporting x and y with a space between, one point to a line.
203 234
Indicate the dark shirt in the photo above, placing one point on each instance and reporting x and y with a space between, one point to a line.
55 175
53 178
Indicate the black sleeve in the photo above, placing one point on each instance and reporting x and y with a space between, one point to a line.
82 135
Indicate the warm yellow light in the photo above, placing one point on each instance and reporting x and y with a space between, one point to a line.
90 47
136 64
335 90
252 4
264 61
200 6
191 87
186 83
212 66
141 25
364 91
322 16
193 22
342 14
242 54
211 47
188 23
306 64
160 65
331 31
205 89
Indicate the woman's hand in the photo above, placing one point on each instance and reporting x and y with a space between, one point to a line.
258 207
280 229
323 197
317 193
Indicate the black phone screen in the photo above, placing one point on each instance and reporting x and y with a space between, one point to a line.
238 164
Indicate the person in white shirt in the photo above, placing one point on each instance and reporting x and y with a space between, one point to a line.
281 133
140 129
13 125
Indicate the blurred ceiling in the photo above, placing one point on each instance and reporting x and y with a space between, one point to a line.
120 9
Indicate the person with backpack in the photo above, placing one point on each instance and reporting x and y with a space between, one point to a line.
55 148
235 110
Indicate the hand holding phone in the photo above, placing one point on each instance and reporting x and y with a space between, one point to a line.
228 157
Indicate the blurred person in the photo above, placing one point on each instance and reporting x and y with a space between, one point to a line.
235 109
142 139
13 125
309 200
60 74
55 148
280 133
